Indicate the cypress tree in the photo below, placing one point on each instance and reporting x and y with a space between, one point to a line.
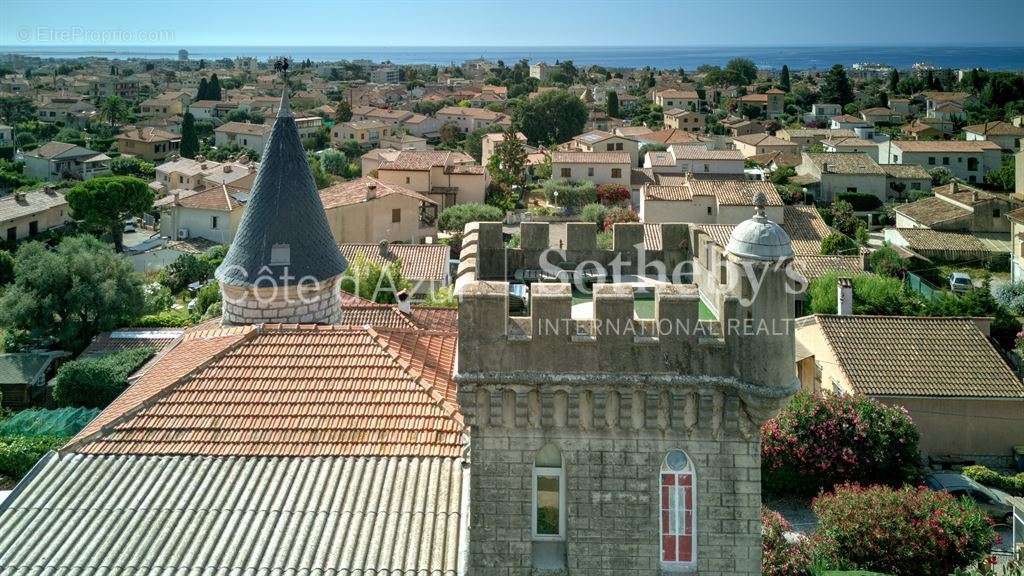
204 90
613 104
894 81
784 82
213 88
189 136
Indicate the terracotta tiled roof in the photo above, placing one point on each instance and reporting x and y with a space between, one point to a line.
932 210
919 356
244 128
684 152
148 134
286 390
908 171
997 128
215 197
132 338
927 239
806 229
425 160
845 163
355 191
764 140
419 261
816 266
670 136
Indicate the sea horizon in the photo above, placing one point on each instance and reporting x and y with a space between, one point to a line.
992 57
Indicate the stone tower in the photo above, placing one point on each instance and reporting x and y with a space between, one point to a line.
283 265
612 443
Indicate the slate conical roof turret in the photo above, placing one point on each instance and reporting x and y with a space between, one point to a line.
284 234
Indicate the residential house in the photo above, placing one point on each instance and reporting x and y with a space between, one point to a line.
404 141
126 88
967 160
822 113
962 396
1006 135
957 207
188 174
469 119
686 120
598 141
672 98
831 174
367 133
753 145
880 116
213 213
742 126
424 265
706 200
848 122
918 130
491 140
150 144
542 71
167 104
447 177
25 214
420 125
899 106
944 246
906 180
852 145
211 109
308 126
808 137
368 210
696 159
243 134
598 167
70 109
55 161
771 103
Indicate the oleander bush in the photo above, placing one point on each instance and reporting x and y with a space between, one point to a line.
820 441
904 532
780 557
612 194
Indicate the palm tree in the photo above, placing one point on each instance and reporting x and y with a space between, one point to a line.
113 109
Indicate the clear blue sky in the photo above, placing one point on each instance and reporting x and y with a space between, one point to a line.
503 23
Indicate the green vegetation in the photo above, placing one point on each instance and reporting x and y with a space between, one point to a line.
368 280
104 203
569 193
443 297
18 454
68 295
94 382
837 243
552 117
189 136
987 477
47 422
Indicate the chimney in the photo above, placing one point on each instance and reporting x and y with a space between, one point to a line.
19 197
404 305
383 247
955 187
177 198
844 297
825 168
371 190
227 168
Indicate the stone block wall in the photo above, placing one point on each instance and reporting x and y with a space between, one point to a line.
321 305
612 471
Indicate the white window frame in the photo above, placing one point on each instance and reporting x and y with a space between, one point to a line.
560 473
677 565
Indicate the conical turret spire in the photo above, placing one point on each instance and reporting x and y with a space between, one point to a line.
283 238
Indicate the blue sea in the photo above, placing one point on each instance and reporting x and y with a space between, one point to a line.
668 57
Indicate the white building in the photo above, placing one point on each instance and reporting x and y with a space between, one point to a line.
598 167
55 161
967 160
385 75
243 134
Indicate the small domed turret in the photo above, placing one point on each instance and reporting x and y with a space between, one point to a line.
759 238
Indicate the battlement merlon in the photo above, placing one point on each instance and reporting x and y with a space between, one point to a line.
748 343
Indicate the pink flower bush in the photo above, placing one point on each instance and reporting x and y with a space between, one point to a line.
817 442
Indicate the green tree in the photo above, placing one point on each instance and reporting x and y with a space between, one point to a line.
70 294
474 141
449 134
213 88
132 166
14 109
554 116
6 268
95 382
317 170
443 297
203 92
104 203
894 81
343 111
741 71
507 165
784 81
454 218
334 162
1004 177
612 103
837 243
843 218
886 261
371 281
871 295
185 270
835 87
189 136
113 109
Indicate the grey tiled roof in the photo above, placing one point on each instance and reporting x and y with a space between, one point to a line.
80 515
284 211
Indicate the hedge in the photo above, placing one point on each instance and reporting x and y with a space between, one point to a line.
95 382
987 477
18 454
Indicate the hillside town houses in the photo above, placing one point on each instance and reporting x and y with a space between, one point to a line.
446 428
